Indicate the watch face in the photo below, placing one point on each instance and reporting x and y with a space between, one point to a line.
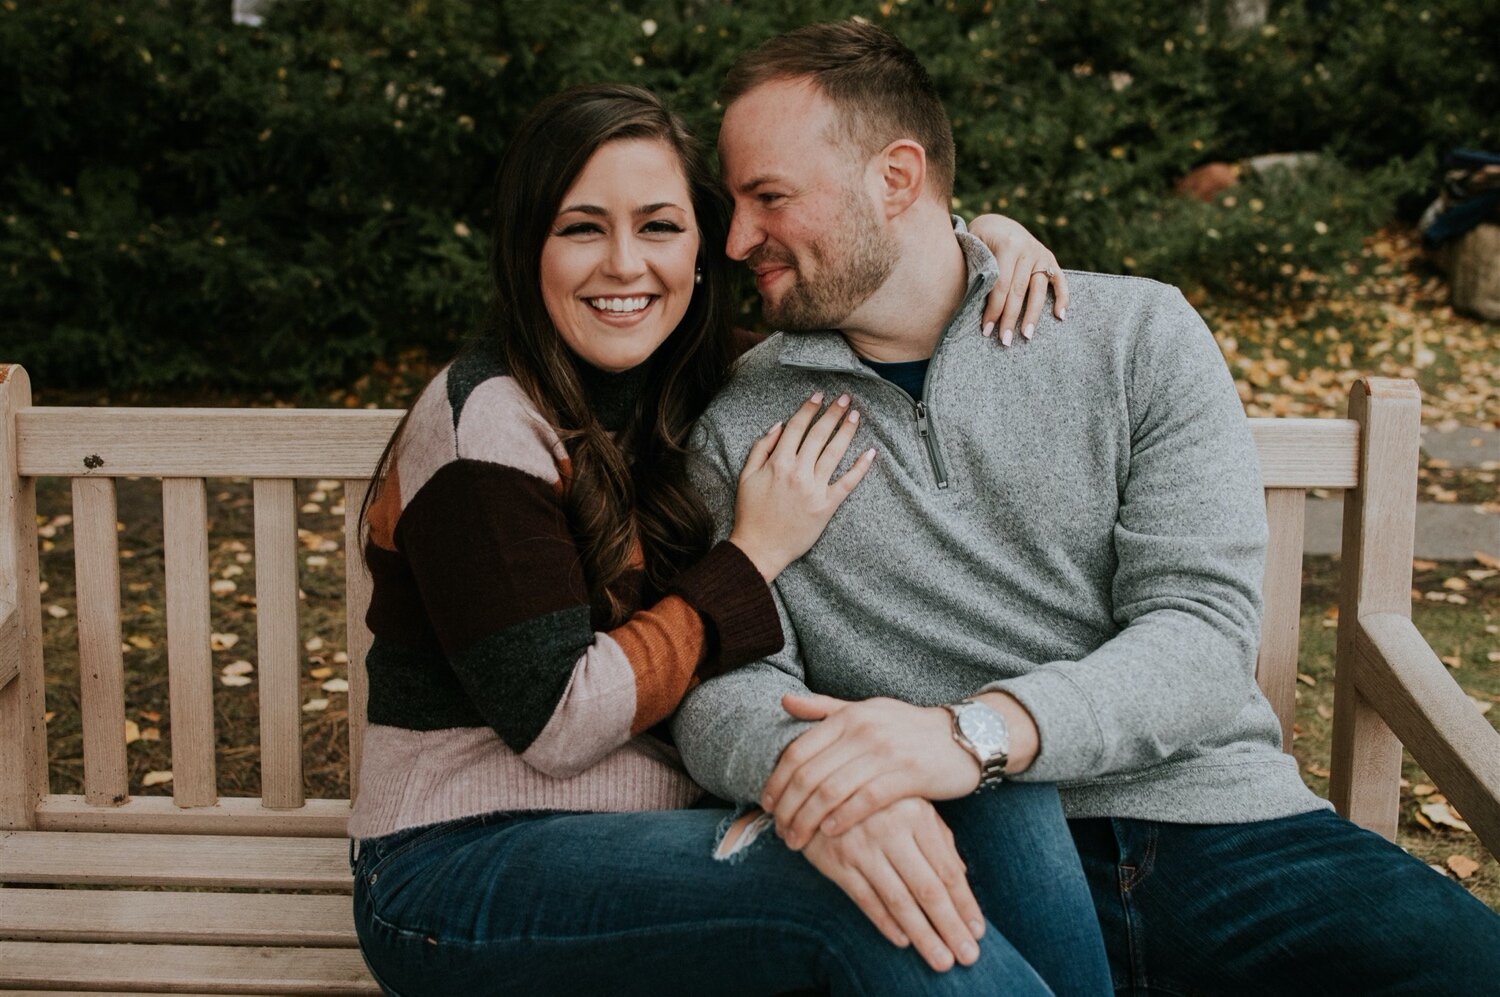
984 729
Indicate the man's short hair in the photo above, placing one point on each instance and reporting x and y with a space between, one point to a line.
878 86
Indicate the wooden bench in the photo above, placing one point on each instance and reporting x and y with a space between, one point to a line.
1390 689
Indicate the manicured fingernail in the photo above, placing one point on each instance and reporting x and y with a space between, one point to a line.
854 415
1006 336
774 426
843 399
968 951
1028 331
902 941
870 453
1062 313
817 398
977 927
989 329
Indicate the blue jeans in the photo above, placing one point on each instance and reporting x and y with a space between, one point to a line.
634 903
1304 904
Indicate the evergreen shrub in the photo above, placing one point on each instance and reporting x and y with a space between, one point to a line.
187 202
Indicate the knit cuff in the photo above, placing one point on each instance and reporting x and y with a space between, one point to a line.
735 602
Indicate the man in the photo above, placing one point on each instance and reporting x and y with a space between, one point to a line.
1062 542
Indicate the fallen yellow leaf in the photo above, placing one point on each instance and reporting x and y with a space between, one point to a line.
1306 679
1423 789
157 778
1463 867
314 705
140 642
321 672
223 642
132 731
1441 813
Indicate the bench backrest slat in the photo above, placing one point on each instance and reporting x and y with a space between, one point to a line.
189 663
357 585
277 645
1307 453
203 443
101 664
1276 664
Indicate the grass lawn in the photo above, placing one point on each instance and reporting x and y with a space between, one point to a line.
1387 318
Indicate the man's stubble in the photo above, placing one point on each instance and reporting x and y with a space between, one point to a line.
852 262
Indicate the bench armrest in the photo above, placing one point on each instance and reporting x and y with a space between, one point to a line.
10 643
1401 677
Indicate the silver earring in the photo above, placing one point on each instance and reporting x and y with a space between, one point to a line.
697 276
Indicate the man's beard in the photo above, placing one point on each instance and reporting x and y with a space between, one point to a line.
853 262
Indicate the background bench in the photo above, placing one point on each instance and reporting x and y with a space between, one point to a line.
148 932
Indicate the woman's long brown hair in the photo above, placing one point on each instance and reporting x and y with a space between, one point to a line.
632 486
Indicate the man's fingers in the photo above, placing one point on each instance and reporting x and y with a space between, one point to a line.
858 889
893 891
811 706
832 790
871 798
803 785
936 844
808 745
935 897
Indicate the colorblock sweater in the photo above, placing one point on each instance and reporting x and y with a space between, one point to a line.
1077 520
493 683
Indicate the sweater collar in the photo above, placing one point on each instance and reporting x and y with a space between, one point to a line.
827 349
612 397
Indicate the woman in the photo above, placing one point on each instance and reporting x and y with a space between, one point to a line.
545 592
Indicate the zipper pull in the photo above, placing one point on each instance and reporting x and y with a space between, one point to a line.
922 419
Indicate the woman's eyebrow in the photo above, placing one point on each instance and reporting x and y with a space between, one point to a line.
594 209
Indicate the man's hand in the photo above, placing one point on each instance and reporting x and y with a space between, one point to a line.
900 867
862 757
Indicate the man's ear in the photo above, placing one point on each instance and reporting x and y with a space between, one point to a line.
903 175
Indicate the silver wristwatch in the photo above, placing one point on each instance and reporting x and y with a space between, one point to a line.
984 735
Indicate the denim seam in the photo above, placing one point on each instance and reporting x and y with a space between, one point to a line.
826 944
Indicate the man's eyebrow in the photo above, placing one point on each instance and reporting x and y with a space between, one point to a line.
760 181
594 209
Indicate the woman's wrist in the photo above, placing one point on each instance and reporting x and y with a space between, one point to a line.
768 565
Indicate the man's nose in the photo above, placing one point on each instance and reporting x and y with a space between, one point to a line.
744 235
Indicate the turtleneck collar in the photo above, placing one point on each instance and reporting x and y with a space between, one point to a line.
612 397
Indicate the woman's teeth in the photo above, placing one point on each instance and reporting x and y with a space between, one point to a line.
619 304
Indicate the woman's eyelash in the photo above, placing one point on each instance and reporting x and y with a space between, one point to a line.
662 226
579 228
